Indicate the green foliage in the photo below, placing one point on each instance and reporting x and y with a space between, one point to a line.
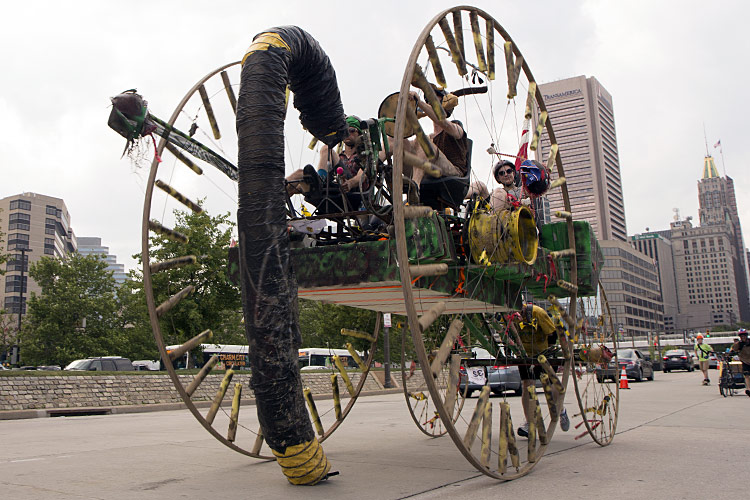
321 324
7 331
76 315
215 304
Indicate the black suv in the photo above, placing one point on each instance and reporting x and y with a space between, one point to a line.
103 364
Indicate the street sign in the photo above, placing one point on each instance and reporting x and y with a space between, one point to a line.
387 320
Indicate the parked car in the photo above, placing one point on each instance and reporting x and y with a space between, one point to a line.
636 367
504 378
678 359
657 364
104 363
146 365
473 378
501 378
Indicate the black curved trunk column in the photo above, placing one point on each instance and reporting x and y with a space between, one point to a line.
278 57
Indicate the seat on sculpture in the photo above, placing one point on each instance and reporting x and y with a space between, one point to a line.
447 192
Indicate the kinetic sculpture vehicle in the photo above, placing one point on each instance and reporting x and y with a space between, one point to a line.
457 271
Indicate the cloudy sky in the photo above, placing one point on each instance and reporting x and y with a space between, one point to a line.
672 68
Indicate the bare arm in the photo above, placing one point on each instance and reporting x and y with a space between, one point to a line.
453 129
352 183
325 158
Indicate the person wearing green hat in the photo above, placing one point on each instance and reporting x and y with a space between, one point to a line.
330 160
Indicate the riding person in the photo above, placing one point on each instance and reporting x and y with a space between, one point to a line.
448 139
537 332
742 347
702 351
302 181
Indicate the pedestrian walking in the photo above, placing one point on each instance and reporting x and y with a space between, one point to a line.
702 351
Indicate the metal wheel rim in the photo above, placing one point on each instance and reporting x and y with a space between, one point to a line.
400 236
151 303
606 439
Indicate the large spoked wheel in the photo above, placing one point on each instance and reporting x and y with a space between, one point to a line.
595 353
195 170
418 397
457 50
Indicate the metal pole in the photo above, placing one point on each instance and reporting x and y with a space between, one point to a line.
387 360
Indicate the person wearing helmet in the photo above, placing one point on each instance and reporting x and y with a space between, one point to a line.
702 351
535 178
509 190
303 180
742 347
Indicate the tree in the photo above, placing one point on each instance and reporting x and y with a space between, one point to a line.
75 316
214 305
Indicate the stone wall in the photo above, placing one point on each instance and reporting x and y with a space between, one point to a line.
92 391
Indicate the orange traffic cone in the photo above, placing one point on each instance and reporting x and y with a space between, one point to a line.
624 379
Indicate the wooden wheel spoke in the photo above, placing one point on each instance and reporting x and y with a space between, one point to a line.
513 64
229 90
445 347
178 196
314 415
219 397
456 52
173 263
184 159
168 232
234 417
190 344
168 304
209 112
201 375
477 36
437 68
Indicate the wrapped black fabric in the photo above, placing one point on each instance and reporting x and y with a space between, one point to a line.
269 289
312 79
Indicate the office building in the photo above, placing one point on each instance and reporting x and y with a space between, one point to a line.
631 282
582 117
40 226
705 275
718 206
93 246
658 248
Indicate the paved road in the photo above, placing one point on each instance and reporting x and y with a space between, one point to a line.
673 436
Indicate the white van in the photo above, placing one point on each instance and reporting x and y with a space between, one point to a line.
146 365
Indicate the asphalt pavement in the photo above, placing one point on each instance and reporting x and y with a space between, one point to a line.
675 439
